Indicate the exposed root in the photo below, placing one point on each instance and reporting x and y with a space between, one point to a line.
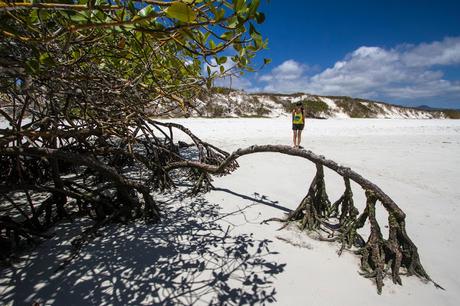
314 205
379 256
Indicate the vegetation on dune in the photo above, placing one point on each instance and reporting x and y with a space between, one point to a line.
315 108
262 111
215 110
222 90
451 114
225 102
355 109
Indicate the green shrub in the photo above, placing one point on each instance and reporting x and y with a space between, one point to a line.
213 110
354 109
218 111
222 90
315 107
452 114
262 111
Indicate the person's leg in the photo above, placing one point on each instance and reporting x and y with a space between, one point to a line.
299 137
294 137
296 141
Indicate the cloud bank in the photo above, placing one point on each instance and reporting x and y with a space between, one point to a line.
404 72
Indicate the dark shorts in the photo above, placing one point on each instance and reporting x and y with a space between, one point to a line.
297 127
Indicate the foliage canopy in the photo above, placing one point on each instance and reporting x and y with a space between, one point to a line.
142 51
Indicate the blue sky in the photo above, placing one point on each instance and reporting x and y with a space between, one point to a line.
404 52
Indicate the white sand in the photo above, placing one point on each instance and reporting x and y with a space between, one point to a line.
187 258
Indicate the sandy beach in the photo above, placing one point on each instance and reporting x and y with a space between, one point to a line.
213 249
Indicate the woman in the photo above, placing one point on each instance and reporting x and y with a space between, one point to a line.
298 123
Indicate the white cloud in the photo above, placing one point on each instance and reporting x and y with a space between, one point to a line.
446 52
289 70
287 77
405 72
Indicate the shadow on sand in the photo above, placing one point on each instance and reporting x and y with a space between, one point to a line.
190 258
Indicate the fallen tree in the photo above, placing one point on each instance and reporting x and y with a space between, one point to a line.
378 254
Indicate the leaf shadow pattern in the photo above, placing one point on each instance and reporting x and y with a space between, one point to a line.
190 258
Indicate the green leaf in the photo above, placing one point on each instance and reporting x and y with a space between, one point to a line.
43 14
242 61
146 11
242 52
220 14
257 38
227 35
212 44
233 22
131 7
33 15
252 29
75 54
79 17
206 36
237 47
181 12
267 61
238 4
260 17
254 6
222 60
45 58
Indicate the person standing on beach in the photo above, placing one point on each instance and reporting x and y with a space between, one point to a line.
298 123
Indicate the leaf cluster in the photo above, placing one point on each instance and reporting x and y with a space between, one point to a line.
158 54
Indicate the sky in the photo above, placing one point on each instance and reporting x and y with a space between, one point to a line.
404 52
